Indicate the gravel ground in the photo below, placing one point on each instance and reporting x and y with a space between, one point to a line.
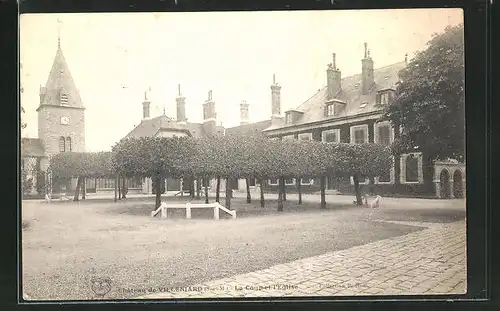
68 244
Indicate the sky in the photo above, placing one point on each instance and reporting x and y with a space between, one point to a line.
115 57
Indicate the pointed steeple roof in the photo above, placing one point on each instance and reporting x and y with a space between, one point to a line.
60 89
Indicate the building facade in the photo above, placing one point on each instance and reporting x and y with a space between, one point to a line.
349 110
164 126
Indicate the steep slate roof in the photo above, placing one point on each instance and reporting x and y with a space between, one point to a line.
148 128
60 82
249 129
314 108
32 147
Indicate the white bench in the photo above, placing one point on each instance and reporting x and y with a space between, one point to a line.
188 206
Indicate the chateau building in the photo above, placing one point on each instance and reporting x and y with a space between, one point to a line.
349 110
164 126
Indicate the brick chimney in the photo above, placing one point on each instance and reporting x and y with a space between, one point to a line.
181 107
209 115
367 79
243 113
146 107
275 98
334 78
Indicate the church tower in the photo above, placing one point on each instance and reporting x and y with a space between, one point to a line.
61 122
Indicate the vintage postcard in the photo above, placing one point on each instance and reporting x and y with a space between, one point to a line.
242 154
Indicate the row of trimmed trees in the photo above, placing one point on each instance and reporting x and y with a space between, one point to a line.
82 165
227 157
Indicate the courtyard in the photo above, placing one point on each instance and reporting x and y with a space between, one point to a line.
66 246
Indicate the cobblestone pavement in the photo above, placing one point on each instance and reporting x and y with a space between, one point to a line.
430 261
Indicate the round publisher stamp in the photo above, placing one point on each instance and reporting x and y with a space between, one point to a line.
100 285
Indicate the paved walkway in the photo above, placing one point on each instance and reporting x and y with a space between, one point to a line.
430 261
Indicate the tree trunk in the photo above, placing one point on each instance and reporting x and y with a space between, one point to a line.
217 190
249 197
322 183
116 190
280 194
359 199
299 190
158 192
119 188
84 188
206 190
284 190
261 182
198 189
191 188
228 193
77 190
124 187
397 174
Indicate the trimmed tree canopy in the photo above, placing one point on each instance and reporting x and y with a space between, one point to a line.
82 164
153 156
251 156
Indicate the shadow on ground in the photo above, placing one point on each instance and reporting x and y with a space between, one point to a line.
422 215
243 209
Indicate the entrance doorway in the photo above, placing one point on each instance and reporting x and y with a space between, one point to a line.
444 184
457 184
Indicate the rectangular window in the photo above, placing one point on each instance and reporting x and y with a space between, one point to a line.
384 135
204 182
134 182
273 182
386 177
305 136
288 118
411 168
306 181
251 182
290 181
289 137
330 136
359 136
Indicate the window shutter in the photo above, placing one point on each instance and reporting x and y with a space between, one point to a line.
326 110
378 99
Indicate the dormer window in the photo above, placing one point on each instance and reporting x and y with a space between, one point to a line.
292 116
334 107
384 97
330 110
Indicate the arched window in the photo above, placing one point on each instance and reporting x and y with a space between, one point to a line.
68 144
62 144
